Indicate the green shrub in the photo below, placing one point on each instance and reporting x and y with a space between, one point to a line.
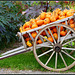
10 18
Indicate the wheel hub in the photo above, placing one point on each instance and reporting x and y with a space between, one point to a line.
57 47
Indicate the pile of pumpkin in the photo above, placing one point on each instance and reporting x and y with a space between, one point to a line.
43 19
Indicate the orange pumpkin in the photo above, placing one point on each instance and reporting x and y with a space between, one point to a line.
50 39
69 13
48 13
72 25
62 13
27 29
34 26
43 33
39 41
63 22
52 18
52 27
42 15
46 20
27 39
61 28
63 33
55 36
39 22
48 16
26 35
55 14
34 34
27 24
38 18
57 10
65 11
32 21
61 17
55 29
71 21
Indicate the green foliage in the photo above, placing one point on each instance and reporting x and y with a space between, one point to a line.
9 20
11 15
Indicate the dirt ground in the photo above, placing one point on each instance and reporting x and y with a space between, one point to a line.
9 71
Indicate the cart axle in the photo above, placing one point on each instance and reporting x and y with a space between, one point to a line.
57 47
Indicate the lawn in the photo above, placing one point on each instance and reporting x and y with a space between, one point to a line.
26 61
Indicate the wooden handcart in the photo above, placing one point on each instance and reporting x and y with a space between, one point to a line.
48 51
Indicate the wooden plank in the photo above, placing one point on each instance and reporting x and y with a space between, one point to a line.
40 38
31 36
16 49
47 33
20 51
68 37
24 43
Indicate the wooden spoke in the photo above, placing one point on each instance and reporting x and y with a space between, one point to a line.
68 48
47 40
58 34
65 37
49 58
63 59
52 36
68 42
45 53
56 60
45 46
68 54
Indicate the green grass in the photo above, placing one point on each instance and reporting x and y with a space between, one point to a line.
21 62
27 61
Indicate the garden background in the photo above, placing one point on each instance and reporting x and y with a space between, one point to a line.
13 14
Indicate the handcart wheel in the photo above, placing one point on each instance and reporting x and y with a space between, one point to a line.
59 58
